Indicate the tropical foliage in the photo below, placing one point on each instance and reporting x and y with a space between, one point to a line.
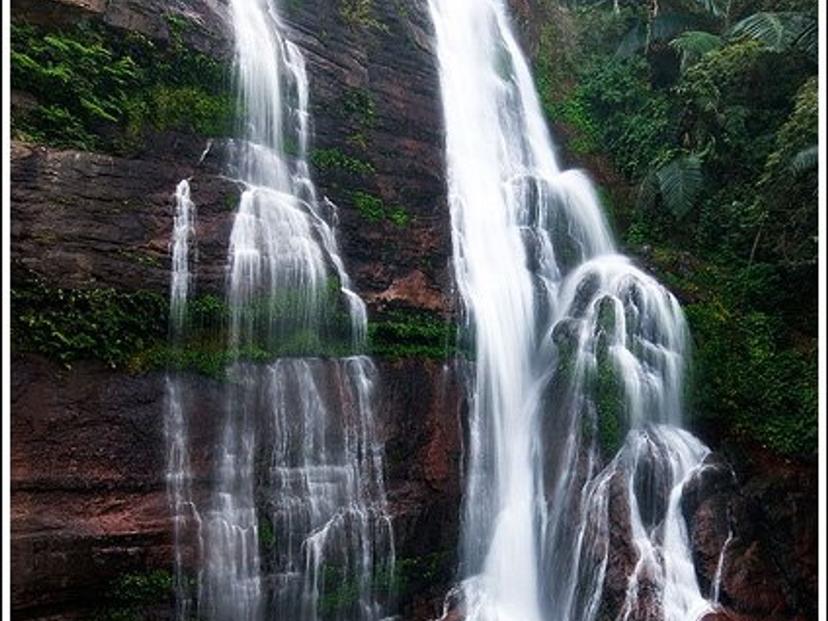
89 88
707 111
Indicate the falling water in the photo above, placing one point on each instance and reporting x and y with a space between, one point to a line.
574 346
297 526
182 508
716 589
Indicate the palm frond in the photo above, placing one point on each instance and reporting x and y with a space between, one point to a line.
693 44
647 191
807 40
777 31
679 182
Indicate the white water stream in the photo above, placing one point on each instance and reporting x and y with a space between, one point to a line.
573 345
295 525
184 514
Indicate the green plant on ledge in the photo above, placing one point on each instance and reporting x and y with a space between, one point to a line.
95 88
335 160
373 208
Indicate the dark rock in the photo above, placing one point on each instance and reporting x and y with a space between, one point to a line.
82 219
88 475
768 569
207 20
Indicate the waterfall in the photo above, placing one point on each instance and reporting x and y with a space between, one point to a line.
179 489
295 524
576 399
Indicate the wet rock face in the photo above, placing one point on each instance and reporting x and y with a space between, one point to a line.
768 567
89 490
374 94
88 470
207 32
83 218
622 553
89 500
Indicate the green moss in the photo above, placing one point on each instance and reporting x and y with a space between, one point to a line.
335 160
358 105
610 404
358 140
294 6
411 334
413 575
340 592
373 208
142 587
398 216
408 577
360 14
267 538
190 108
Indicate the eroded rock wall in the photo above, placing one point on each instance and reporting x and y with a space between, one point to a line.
89 494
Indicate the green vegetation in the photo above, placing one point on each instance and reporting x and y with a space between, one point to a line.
96 89
407 577
358 105
359 14
129 330
136 588
371 207
709 110
401 334
336 160
374 209
130 594
74 324
612 418
414 575
267 538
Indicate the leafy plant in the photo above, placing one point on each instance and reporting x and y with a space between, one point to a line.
374 208
74 324
334 159
95 89
779 31
679 183
693 44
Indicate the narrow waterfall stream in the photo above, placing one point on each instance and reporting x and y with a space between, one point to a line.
576 403
182 508
296 514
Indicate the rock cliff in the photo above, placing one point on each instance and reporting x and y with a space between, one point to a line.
90 522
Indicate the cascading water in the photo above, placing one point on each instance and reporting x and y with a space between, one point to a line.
573 345
182 508
296 525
